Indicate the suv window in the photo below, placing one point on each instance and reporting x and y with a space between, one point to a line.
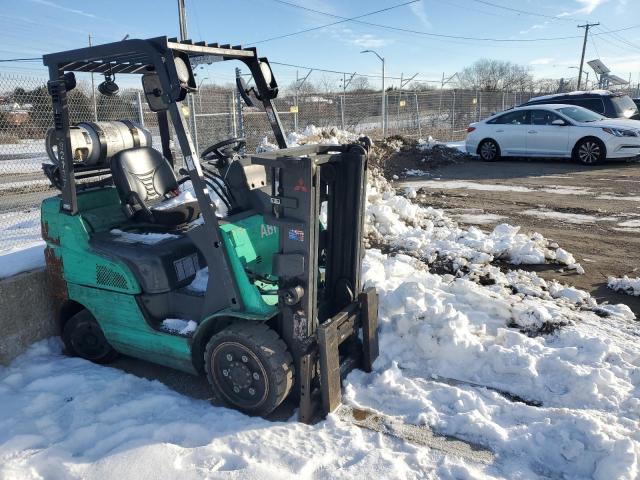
543 117
624 106
519 117
593 104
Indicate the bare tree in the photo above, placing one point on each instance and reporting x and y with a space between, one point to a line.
360 85
327 84
495 75
303 88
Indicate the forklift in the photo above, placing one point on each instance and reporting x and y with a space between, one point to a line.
270 290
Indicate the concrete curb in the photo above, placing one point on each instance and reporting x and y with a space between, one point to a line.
26 313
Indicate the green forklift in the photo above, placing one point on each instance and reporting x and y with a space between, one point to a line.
267 295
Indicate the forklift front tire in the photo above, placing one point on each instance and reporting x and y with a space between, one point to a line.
249 367
83 337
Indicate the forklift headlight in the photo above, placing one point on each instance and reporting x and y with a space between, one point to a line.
266 72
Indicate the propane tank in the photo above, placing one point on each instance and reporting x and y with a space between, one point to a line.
93 143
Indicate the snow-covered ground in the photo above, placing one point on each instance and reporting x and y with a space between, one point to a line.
534 370
630 286
21 245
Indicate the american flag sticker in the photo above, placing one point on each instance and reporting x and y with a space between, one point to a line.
297 235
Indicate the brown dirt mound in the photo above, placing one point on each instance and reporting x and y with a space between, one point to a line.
396 155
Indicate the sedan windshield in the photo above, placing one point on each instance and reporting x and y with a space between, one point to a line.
624 106
580 114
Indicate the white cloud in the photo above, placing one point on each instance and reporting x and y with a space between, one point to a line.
589 6
419 11
538 26
369 41
541 61
361 40
66 9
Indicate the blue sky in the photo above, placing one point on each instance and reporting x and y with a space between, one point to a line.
32 27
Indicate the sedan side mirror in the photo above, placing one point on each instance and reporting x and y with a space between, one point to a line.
559 122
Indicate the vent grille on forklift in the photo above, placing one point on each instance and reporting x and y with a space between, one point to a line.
109 278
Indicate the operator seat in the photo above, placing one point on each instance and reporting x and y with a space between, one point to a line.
146 184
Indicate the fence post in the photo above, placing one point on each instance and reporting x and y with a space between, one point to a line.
232 108
239 108
342 112
418 116
453 115
194 122
140 114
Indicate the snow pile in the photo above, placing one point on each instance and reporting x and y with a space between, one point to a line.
21 259
180 326
442 335
68 418
430 234
311 135
149 238
188 194
630 286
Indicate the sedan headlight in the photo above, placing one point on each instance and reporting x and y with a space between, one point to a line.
619 132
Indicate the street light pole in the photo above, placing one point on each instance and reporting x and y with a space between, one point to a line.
384 94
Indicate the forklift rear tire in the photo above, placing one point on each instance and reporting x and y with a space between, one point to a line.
83 337
249 367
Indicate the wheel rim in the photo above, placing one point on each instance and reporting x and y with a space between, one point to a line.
239 375
488 150
88 341
589 152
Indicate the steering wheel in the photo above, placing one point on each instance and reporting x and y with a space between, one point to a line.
220 153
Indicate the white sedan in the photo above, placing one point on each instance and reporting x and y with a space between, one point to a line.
554 130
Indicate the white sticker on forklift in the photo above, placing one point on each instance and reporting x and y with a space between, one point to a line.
189 161
267 230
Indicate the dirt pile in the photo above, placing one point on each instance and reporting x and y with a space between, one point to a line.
402 157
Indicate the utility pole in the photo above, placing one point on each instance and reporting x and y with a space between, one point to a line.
182 18
93 93
586 27
184 35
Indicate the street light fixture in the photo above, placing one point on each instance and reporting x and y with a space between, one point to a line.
384 100
199 94
586 79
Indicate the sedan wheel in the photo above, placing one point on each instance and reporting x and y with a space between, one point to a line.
589 152
489 151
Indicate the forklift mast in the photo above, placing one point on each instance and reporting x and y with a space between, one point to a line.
318 266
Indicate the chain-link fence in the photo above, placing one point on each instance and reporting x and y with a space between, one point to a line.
214 114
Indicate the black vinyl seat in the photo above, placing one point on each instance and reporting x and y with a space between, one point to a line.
145 181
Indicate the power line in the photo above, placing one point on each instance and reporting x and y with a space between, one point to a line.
20 59
315 69
430 34
525 12
620 39
333 23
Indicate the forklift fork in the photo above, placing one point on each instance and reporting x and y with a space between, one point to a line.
332 333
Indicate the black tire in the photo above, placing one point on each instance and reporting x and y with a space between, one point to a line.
249 367
489 150
589 151
83 337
